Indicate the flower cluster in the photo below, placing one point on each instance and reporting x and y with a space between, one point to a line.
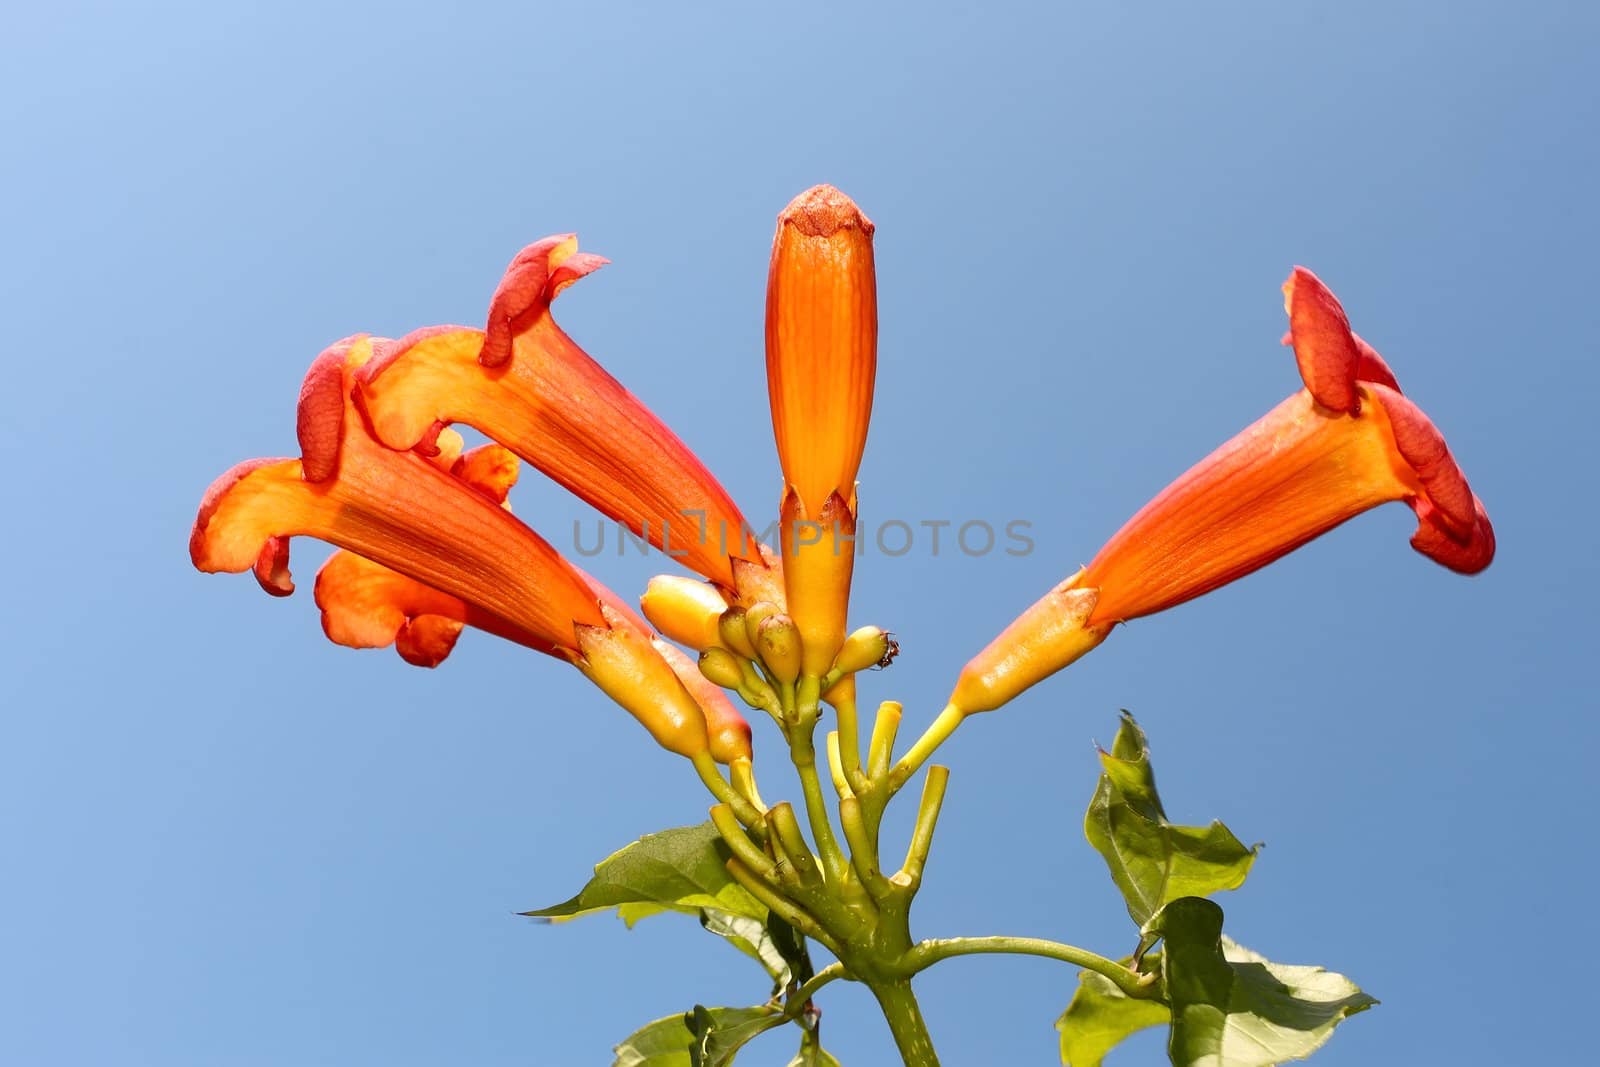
427 544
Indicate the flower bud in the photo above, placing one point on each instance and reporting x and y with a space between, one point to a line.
866 647
779 645
722 667
754 615
627 669
734 633
728 731
684 610
1052 633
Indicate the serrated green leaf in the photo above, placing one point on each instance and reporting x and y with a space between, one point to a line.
1234 1008
687 1040
663 1043
719 1033
1152 860
1099 1017
675 870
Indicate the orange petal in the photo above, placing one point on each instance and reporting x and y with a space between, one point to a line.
395 508
818 561
685 610
728 730
367 605
1052 633
524 383
759 579
627 667
1350 441
822 342
1297 473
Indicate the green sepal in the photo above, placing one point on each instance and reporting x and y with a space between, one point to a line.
1154 861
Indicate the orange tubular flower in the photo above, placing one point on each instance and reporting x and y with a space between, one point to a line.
524 383
445 551
822 341
1347 442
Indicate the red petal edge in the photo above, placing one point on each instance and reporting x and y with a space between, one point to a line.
528 286
319 415
1324 347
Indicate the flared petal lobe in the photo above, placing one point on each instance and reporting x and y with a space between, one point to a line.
526 384
1346 443
822 342
367 605
393 508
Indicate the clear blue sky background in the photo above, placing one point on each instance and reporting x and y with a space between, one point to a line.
229 842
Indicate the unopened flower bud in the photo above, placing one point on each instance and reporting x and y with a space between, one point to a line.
727 730
722 667
684 610
734 634
623 664
754 615
779 645
866 647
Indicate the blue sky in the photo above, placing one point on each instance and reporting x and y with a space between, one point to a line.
231 842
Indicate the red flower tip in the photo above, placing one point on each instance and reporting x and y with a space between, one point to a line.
272 567
1324 347
319 415
822 211
534 278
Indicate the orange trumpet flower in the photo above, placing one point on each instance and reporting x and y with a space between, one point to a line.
429 547
524 383
822 343
1347 442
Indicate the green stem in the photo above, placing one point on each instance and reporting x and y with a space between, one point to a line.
926 953
844 709
804 753
706 767
782 905
796 1001
904 1017
927 819
880 750
936 734
863 849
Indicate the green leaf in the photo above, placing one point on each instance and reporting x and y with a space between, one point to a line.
675 870
753 938
663 1043
719 1033
1233 1008
1099 1017
792 945
1152 860
704 1037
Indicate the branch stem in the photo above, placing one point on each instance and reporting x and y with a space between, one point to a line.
926 953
